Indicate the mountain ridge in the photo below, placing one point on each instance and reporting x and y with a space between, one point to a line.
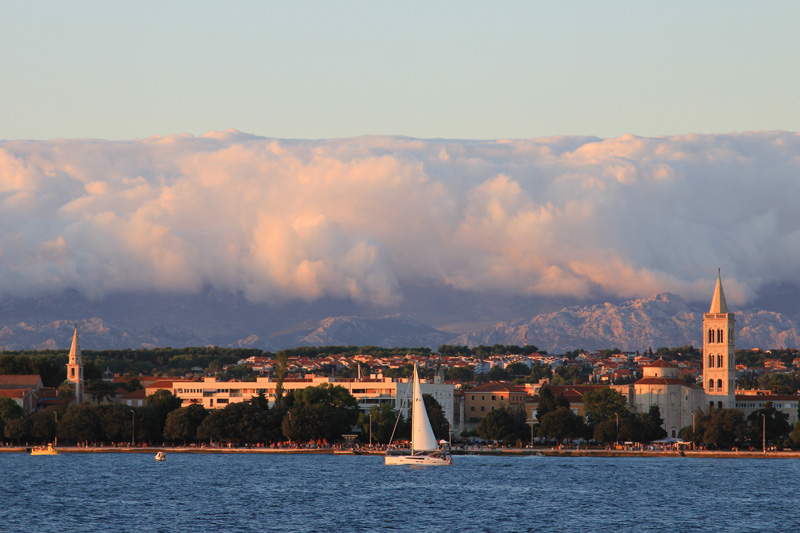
663 319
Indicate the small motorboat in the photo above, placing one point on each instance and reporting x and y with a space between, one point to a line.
161 456
44 450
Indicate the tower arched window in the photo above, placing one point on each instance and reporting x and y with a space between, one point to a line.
719 384
719 336
711 385
710 361
719 404
710 335
72 372
719 361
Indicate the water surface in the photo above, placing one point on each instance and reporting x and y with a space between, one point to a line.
254 492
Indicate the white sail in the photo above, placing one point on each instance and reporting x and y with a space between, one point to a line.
422 438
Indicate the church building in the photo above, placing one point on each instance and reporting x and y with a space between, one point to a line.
677 400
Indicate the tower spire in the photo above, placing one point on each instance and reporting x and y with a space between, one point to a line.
75 368
718 304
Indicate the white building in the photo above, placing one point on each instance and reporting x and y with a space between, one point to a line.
213 394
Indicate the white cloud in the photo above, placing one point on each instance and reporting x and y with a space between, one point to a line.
357 218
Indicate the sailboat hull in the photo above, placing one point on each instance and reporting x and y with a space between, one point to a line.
419 460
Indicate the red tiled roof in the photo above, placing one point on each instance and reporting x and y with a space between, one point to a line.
497 386
13 393
661 381
660 363
21 381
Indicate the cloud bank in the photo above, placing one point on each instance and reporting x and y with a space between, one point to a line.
358 218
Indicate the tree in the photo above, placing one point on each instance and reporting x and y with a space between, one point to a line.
439 424
382 423
497 373
43 425
504 425
540 371
560 424
80 423
17 429
326 394
218 426
518 369
795 436
182 423
724 428
116 421
323 412
652 425
281 369
99 390
548 402
774 425
460 373
603 405
162 403
305 423
9 410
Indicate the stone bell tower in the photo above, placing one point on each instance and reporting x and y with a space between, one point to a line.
75 368
719 361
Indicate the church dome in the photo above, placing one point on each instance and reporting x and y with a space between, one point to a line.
660 369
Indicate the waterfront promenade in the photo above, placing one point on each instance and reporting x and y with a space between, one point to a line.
482 450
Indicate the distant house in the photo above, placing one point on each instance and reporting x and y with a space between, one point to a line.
22 389
483 399
134 399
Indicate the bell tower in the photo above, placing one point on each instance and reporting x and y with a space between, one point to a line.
719 348
75 368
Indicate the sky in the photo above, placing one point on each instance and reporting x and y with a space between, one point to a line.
457 70
302 150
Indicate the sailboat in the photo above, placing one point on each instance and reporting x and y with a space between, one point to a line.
424 448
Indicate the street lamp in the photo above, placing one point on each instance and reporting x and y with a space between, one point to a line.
370 429
617 438
764 433
133 427
55 430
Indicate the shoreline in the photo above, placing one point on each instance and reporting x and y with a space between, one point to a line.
512 452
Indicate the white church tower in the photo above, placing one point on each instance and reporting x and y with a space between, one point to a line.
719 363
75 368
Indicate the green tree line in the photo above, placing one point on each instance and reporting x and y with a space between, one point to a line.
322 413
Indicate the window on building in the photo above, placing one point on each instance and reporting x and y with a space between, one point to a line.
719 384
719 360
710 336
710 361
493 397
472 408
711 386
719 336
483 407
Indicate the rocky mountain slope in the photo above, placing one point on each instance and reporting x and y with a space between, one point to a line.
661 320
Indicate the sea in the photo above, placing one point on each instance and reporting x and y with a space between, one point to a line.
124 492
